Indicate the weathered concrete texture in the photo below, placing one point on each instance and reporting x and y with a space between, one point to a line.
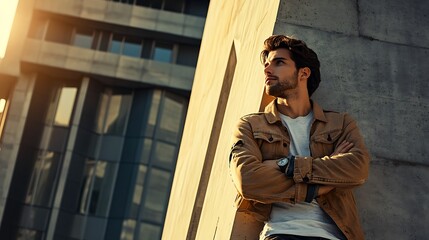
394 203
329 15
380 77
380 84
404 22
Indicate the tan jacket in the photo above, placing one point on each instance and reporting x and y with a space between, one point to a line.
261 137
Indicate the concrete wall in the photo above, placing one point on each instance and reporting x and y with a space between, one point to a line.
374 58
228 84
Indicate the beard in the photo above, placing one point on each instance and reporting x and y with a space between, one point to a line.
282 88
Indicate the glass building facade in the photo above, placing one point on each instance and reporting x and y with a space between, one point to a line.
102 120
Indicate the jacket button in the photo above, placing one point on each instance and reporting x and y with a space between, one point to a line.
305 179
270 139
284 144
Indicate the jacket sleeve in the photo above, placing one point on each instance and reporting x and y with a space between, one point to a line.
343 170
255 180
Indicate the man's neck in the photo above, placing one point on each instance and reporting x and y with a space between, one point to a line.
295 107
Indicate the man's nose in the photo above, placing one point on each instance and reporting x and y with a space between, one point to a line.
267 69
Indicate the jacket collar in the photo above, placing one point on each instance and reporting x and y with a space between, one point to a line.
272 113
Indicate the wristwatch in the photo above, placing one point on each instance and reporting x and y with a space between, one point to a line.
282 163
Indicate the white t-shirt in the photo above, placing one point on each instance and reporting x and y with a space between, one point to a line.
302 219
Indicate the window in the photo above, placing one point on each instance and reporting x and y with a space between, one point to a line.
59 32
65 106
157 196
174 5
149 231
171 117
188 55
43 178
83 38
116 44
197 7
97 187
113 112
138 191
132 47
163 52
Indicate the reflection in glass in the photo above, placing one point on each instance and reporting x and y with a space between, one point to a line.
83 38
43 178
163 52
132 48
138 191
97 188
165 153
149 231
171 116
157 196
128 227
115 45
65 106
153 112
28 234
113 112
146 149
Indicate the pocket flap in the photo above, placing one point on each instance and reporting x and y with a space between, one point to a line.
328 137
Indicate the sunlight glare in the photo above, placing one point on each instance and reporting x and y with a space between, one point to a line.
2 104
7 14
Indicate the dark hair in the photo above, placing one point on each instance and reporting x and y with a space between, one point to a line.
302 55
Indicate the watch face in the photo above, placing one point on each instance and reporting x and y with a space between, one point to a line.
283 162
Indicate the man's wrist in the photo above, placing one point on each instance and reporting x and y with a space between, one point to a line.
290 167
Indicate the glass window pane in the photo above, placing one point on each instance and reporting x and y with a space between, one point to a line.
149 231
28 234
173 5
163 52
165 153
101 114
128 227
42 182
146 150
59 32
86 185
138 191
171 118
153 113
65 106
115 45
104 178
132 47
188 55
97 187
197 7
104 41
83 38
116 118
157 196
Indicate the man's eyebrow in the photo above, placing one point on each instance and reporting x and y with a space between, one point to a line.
279 58
276 59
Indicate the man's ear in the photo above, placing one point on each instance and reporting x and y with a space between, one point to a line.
304 73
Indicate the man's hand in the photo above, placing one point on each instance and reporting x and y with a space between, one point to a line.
343 148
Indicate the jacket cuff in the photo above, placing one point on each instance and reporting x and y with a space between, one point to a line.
302 169
312 191
300 192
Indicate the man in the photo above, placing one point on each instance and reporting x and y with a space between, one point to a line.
295 165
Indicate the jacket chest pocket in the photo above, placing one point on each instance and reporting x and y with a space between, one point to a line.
323 144
272 146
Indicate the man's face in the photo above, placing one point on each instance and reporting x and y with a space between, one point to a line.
281 78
